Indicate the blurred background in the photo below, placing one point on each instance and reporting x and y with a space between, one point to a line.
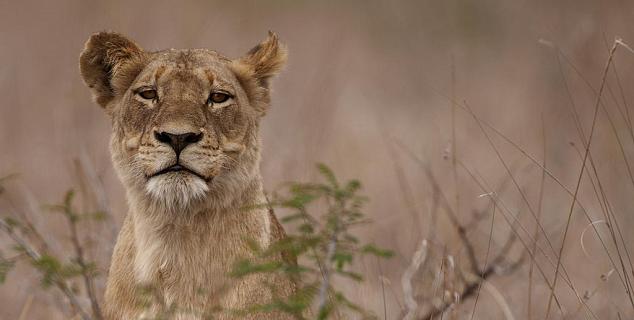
381 92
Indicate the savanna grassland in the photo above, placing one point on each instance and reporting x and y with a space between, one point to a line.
493 141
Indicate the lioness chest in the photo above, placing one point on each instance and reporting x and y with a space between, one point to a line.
186 267
187 262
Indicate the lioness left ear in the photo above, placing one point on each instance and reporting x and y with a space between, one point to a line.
109 64
258 66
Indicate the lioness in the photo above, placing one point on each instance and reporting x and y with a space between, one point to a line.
185 145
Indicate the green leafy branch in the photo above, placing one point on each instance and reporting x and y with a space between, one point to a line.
326 245
53 271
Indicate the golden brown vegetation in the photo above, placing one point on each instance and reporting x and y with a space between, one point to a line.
494 140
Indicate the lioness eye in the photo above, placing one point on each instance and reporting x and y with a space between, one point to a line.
217 97
148 94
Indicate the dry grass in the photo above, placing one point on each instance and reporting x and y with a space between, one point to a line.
499 133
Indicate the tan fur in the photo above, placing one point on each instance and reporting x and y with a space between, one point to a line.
184 231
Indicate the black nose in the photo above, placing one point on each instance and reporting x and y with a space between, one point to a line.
178 142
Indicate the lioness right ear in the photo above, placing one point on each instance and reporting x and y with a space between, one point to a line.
109 64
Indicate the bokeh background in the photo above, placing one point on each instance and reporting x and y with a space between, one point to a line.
369 86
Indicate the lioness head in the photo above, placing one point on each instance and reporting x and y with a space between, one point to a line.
184 122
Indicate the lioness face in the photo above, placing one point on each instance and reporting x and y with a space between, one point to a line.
184 121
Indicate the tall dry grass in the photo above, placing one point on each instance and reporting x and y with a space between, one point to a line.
494 140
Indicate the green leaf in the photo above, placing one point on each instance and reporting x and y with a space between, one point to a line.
5 267
374 250
352 186
325 311
49 267
12 223
245 267
306 228
350 274
68 198
328 174
341 259
97 215
292 217
299 201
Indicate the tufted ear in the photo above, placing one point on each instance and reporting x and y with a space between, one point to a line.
109 64
257 67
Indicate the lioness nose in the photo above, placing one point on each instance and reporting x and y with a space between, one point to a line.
178 142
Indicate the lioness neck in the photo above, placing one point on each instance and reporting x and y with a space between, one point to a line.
197 243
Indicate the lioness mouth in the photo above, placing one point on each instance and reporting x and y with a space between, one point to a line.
178 168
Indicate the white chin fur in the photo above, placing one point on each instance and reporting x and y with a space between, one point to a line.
176 190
